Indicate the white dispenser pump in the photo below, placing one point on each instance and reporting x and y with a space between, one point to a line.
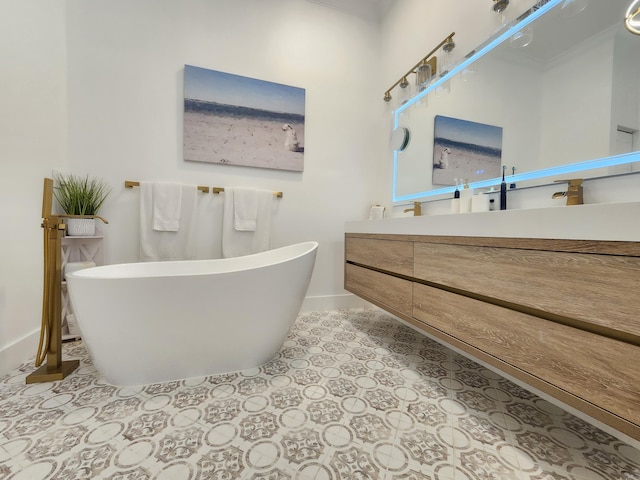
465 197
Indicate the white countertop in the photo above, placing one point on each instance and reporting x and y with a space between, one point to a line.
603 221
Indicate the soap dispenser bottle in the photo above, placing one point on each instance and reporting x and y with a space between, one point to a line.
455 202
465 197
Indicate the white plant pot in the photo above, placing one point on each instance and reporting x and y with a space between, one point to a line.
81 227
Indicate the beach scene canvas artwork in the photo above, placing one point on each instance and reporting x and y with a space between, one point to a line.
465 150
234 120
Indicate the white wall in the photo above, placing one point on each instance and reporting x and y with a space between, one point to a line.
574 129
124 64
96 87
32 140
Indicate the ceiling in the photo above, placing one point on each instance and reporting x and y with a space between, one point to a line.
373 10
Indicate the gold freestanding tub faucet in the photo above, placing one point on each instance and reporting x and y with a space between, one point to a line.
573 193
417 209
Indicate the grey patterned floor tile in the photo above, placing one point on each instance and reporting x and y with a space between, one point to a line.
351 395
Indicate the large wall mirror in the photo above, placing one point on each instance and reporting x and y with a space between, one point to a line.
564 94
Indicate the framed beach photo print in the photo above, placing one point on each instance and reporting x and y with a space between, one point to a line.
235 120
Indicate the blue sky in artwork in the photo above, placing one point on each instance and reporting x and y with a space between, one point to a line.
468 132
229 89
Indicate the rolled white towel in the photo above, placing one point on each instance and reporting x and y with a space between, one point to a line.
245 209
167 203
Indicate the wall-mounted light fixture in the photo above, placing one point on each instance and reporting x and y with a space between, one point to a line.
424 69
632 17
500 6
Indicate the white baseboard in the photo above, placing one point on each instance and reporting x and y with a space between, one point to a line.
322 303
18 352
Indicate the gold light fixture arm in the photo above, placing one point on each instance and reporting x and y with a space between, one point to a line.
447 39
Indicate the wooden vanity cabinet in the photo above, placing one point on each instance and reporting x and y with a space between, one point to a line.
588 290
391 293
394 256
559 315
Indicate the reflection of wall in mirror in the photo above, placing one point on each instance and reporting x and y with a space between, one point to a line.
576 105
558 113
482 100
544 123
626 94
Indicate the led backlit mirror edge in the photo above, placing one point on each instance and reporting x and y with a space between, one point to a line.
545 172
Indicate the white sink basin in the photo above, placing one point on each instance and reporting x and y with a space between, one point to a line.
603 221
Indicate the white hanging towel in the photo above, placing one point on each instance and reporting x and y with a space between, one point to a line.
245 209
236 243
168 245
167 203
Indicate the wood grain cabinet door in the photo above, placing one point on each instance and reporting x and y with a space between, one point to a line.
394 256
599 291
384 290
596 374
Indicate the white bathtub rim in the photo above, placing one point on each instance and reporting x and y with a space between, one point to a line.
180 268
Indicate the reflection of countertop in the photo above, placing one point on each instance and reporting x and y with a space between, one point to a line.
603 221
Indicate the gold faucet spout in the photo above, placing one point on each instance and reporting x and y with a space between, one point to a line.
417 209
574 192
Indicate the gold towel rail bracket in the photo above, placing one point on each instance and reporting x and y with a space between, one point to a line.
221 190
131 184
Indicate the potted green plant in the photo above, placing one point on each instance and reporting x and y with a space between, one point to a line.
81 198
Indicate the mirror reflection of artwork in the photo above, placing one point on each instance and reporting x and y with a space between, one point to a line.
235 120
465 150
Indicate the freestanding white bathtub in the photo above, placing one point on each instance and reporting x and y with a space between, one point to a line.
158 321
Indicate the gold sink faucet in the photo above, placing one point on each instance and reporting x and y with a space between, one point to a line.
573 193
417 209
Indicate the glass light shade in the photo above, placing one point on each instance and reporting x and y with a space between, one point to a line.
444 65
500 5
632 17
468 73
443 89
423 76
404 93
572 7
522 38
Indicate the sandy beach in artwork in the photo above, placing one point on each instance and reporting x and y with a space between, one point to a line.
255 141
464 164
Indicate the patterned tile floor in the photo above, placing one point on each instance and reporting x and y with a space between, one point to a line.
353 394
